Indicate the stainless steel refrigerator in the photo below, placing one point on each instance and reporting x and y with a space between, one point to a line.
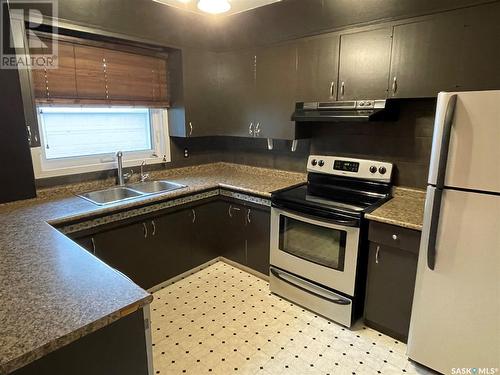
455 321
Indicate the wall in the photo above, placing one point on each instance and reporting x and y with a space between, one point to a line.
291 19
284 20
143 19
406 142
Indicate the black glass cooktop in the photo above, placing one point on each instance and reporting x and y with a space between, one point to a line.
341 195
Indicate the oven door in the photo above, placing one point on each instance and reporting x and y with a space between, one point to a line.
323 251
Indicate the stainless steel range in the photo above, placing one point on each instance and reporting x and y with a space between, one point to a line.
318 231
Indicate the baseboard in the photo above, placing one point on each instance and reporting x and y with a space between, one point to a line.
245 268
182 275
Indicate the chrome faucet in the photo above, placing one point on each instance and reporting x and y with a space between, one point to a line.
121 176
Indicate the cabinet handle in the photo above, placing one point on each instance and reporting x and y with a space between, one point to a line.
332 86
144 226
257 129
250 128
394 85
190 128
154 227
93 245
194 214
232 208
342 88
248 216
376 254
395 237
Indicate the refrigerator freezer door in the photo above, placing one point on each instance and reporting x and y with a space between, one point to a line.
455 320
474 150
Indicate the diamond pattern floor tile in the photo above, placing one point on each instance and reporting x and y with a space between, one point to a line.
222 320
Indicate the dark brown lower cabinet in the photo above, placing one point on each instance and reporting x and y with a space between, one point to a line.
233 234
153 249
245 235
128 250
258 239
117 349
392 267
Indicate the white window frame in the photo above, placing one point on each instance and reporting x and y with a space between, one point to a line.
160 153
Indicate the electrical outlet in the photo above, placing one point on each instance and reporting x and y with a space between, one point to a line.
186 153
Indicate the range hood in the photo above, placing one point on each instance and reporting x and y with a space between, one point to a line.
345 111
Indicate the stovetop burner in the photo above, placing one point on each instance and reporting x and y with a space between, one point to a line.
339 186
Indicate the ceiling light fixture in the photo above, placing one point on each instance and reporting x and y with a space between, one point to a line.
214 6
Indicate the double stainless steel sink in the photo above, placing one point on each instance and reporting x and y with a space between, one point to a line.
122 193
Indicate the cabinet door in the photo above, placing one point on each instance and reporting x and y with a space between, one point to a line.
317 69
389 289
201 87
233 232
276 87
172 247
237 83
364 64
15 150
126 249
258 239
425 57
480 52
205 234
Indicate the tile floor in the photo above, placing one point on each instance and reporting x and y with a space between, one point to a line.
222 320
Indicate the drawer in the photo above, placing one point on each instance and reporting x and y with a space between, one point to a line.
394 236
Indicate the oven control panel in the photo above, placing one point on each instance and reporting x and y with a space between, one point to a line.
350 167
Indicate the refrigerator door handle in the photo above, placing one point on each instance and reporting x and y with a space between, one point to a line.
445 141
441 174
433 228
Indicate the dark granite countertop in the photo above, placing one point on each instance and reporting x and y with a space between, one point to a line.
52 291
405 209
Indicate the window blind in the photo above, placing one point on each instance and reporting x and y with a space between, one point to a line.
96 75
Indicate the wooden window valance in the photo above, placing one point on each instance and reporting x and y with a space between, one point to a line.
95 75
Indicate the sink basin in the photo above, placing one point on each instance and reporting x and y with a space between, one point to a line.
121 193
109 196
153 187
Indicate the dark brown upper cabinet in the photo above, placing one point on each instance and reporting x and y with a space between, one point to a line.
480 53
195 90
317 68
238 92
364 64
426 57
276 87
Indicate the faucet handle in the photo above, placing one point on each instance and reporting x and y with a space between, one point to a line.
128 176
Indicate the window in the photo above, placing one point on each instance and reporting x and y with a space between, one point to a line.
80 139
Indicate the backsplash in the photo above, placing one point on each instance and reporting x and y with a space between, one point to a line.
406 143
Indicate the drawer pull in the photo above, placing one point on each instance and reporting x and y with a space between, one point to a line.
376 254
395 237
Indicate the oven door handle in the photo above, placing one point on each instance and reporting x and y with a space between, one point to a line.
330 219
309 287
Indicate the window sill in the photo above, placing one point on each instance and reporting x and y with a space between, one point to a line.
41 172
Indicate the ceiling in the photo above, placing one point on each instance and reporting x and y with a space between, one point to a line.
237 6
